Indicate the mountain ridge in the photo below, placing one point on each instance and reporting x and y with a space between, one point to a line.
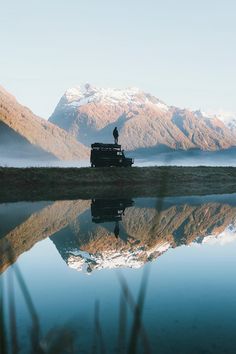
90 114
36 132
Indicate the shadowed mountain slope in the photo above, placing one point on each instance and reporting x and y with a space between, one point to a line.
14 145
23 132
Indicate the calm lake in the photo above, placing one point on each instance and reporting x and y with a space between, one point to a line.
144 275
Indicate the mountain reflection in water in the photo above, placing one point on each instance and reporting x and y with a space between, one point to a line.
189 292
114 233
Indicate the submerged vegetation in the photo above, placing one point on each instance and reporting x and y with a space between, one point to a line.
68 183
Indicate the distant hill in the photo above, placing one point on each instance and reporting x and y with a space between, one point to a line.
144 121
23 134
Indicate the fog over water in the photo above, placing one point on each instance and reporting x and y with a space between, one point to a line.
187 161
163 159
11 162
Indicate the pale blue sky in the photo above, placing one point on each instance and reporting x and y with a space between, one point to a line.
182 51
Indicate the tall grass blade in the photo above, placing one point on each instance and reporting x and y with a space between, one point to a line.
131 302
35 330
122 324
137 321
99 329
3 348
12 313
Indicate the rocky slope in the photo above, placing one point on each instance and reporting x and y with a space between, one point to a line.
144 122
228 118
26 135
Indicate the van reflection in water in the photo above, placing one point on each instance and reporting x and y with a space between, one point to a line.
110 210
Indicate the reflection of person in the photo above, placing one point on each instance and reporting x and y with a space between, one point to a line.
116 135
117 229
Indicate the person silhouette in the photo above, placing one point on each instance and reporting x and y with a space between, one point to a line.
116 135
117 229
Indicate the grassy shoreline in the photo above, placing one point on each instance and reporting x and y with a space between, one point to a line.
18 184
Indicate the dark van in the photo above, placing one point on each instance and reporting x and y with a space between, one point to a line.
107 155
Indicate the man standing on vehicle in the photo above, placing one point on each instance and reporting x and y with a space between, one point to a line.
116 135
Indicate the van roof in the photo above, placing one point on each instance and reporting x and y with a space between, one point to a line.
105 146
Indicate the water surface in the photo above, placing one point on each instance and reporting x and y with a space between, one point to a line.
77 257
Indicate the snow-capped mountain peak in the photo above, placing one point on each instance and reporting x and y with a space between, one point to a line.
225 116
228 118
81 95
144 122
110 259
225 237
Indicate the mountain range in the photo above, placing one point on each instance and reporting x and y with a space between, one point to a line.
87 114
144 122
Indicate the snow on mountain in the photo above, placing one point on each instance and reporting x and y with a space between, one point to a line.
82 95
228 118
84 261
225 237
